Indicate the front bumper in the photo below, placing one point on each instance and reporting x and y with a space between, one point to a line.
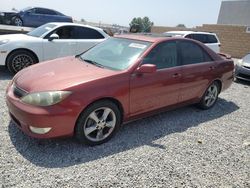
5 20
3 56
242 72
60 119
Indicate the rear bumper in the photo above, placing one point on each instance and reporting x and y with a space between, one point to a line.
242 72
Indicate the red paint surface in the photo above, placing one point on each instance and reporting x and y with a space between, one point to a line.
138 94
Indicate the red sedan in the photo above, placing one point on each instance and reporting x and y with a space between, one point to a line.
124 78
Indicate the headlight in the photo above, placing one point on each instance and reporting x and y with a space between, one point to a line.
2 14
45 98
4 41
240 62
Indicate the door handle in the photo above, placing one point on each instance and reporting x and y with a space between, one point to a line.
176 75
211 68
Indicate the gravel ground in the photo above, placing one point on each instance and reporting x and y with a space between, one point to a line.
186 147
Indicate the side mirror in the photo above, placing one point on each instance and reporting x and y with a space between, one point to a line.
146 68
53 37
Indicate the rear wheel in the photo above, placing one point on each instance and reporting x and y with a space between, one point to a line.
19 60
210 97
98 123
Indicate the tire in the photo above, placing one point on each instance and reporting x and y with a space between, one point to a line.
210 97
17 21
20 59
98 123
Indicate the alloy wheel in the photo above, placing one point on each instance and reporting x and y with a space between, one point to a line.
211 95
21 61
18 22
100 124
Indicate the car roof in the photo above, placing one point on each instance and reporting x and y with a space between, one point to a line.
74 24
144 37
189 32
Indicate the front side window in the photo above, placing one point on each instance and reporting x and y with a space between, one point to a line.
164 55
65 32
116 53
191 53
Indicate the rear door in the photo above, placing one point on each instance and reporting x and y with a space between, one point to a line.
198 69
86 38
162 88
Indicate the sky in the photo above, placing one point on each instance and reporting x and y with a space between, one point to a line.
162 12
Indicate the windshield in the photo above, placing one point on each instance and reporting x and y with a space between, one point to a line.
115 53
40 31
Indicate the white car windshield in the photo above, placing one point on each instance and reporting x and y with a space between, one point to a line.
40 31
115 53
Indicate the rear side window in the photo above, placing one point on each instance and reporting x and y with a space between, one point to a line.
192 53
45 11
86 33
164 55
204 38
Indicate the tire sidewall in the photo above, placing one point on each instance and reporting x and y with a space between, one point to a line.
9 61
79 129
202 103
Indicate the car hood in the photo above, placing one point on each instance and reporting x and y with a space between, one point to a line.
59 74
246 60
16 37
9 12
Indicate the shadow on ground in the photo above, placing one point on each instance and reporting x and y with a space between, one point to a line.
67 152
243 82
5 74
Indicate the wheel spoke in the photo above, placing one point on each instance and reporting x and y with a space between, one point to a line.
99 134
207 97
106 113
94 117
110 124
90 130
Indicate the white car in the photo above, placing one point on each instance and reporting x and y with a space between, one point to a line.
47 42
209 39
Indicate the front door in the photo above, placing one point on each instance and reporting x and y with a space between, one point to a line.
66 45
162 88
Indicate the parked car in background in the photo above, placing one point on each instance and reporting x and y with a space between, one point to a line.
33 17
209 39
47 42
121 79
242 68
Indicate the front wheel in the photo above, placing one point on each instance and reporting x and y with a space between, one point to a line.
20 59
98 123
210 97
